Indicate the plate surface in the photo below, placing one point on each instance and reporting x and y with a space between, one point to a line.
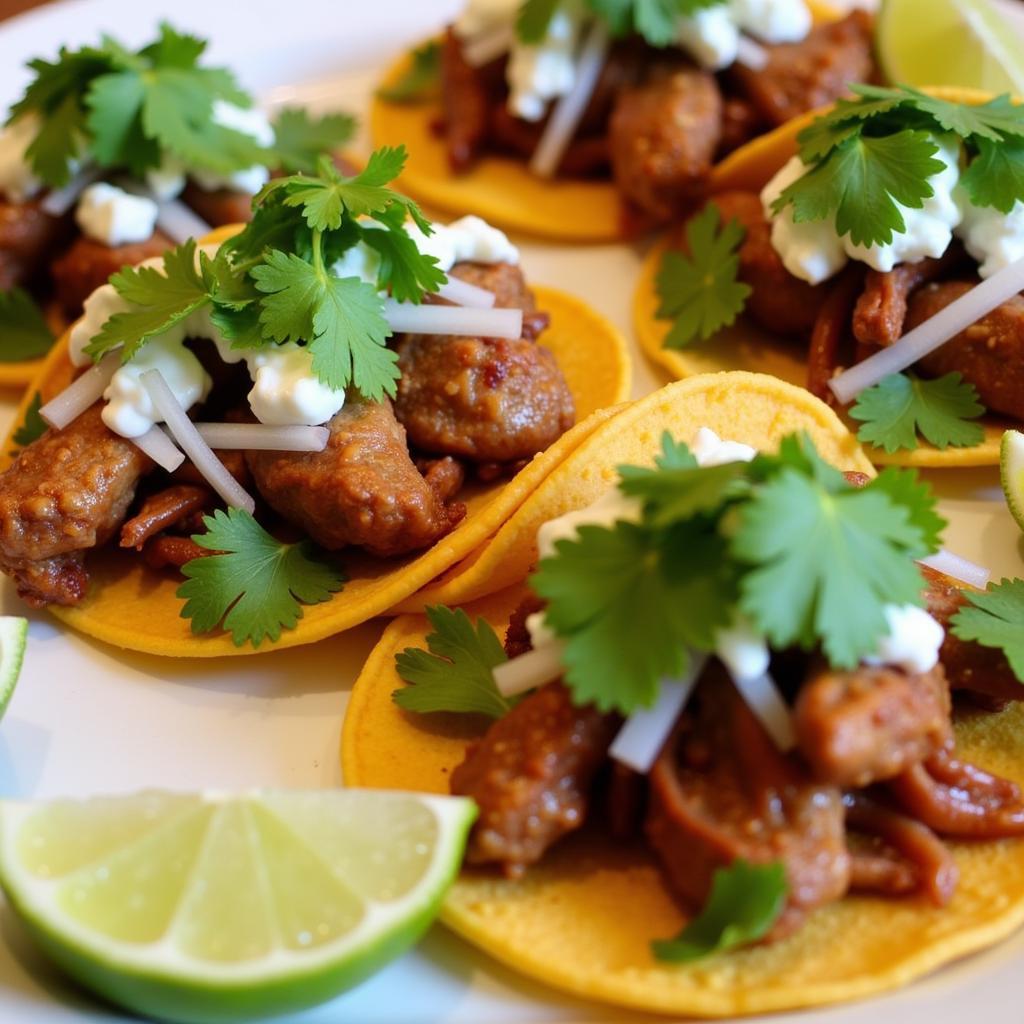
86 721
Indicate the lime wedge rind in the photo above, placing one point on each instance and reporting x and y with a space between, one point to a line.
1011 473
13 638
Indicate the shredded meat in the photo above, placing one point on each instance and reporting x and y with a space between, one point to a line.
860 726
531 776
27 237
466 105
830 332
517 636
444 477
161 552
740 123
64 494
161 511
362 489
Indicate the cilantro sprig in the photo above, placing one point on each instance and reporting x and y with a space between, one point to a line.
24 332
656 21
254 583
699 289
421 80
878 150
902 406
995 618
33 426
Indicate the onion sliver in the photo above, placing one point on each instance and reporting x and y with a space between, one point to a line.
462 293
529 670
932 334
569 110
58 202
184 432
488 47
751 55
160 448
179 222
763 698
644 733
264 437
406 318
82 393
958 568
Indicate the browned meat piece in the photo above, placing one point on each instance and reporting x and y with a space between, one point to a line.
361 490
517 636
531 776
860 726
801 76
663 137
968 665
444 477
831 331
161 511
485 399
779 302
740 123
27 237
990 354
856 478
223 206
906 856
957 799
233 460
87 264
626 801
63 495
165 551
467 105
721 790
584 157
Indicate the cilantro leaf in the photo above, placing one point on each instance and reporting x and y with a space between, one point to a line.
114 119
533 19
700 290
56 143
421 80
993 120
24 332
910 492
672 494
995 177
164 299
403 271
995 618
901 406
456 674
655 20
33 426
745 901
254 583
300 138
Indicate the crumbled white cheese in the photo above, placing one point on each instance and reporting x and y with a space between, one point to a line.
710 36
17 182
362 261
773 21
285 389
993 238
538 73
468 238
612 507
251 122
112 216
913 641
710 450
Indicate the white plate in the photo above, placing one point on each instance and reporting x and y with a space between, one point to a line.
85 721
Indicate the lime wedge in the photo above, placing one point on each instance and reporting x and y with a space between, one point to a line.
949 42
204 907
13 636
1011 473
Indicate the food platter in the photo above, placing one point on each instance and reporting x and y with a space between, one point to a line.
86 721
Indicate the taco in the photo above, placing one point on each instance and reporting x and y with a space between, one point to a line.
830 266
709 784
641 106
96 174
407 457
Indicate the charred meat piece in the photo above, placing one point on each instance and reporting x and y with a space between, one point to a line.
531 776
831 331
64 494
168 551
484 399
584 157
721 790
664 135
222 206
362 489
27 237
444 477
860 726
779 302
801 76
517 636
990 353
87 264
161 511
740 123
467 105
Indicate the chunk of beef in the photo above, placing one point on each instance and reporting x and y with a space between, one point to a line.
162 510
362 489
27 237
828 350
531 776
467 105
219 207
169 551
64 494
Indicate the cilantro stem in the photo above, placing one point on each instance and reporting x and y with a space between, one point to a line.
318 255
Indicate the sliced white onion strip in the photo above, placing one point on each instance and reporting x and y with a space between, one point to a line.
568 111
763 698
160 448
644 733
58 202
529 670
751 55
184 432
958 568
932 334
263 437
179 222
82 393
462 293
485 48
406 318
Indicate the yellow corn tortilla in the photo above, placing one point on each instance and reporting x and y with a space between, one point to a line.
134 607
753 408
582 920
501 189
745 346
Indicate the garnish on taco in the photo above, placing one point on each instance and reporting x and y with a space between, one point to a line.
718 765
112 156
576 118
875 254
331 378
